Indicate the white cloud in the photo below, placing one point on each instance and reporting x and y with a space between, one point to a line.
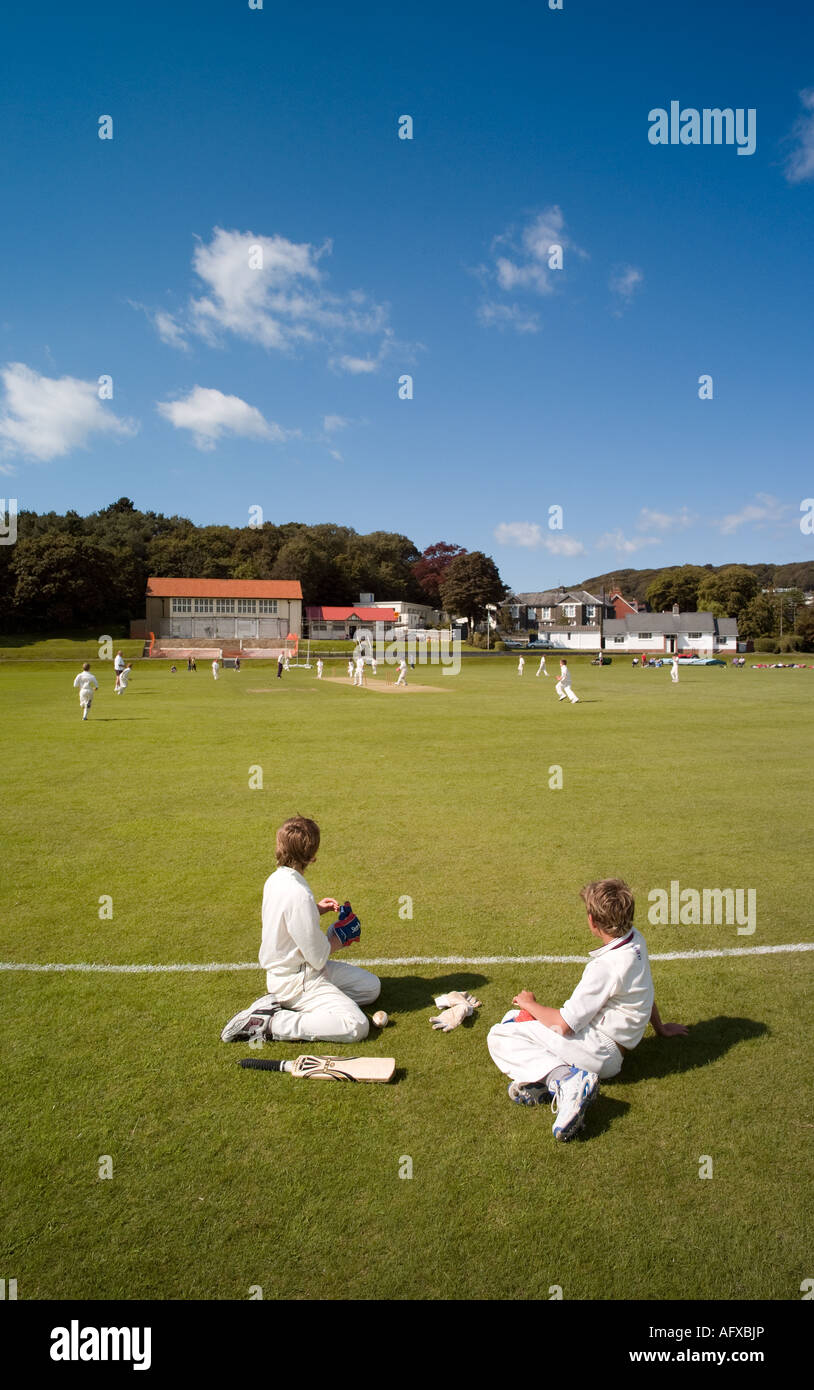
521 264
800 161
532 537
209 415
169 331
332 423
272 291
616 540
357 366
625 280
46 417
508 316
764 508
665 521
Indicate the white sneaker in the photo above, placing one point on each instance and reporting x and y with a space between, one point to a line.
252 1023
572 1096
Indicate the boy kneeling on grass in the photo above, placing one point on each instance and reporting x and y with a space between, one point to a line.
310 996
559 1055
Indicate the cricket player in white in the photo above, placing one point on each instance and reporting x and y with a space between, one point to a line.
319 669
674 671
541 667
118 667
563 686
521 665
359 678
402 676
350 669
566 1051
124 678
215 668
86 684
309 996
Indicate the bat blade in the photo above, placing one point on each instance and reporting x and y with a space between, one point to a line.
329 1068
345 1068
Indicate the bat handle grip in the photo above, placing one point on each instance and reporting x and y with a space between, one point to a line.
264 1064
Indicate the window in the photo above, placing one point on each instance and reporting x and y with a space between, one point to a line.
546 612
590 611
570 610
618 639
182 605
203 605
695 636
644 637
246 605
224 605
267 605
531 614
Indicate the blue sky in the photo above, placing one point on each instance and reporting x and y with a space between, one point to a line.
276 383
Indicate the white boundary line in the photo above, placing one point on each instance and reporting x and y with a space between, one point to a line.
214 967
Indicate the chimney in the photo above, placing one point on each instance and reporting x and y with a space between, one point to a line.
675 610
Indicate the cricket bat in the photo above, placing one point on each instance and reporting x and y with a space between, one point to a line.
329 1068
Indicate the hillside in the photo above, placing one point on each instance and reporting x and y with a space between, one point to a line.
634 583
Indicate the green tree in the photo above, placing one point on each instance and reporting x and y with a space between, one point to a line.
471 581
727 592
805 628
64 580
758 618
679 585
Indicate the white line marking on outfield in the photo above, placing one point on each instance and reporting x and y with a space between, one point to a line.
214 967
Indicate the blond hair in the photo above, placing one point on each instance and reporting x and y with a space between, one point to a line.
610 904
297 842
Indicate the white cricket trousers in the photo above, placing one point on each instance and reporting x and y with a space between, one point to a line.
327 1006
565 690
527 1052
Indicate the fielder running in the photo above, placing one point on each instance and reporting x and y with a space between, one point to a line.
563 686
560 1055
541 667
124 677
86 684
310 996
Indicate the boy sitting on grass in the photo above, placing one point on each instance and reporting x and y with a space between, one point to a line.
560 1054
310 996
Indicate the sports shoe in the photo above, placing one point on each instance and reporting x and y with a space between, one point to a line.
572 1096
252 1023
529 1093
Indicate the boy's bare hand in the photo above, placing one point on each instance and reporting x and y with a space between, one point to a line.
523 998
328 905
673 1030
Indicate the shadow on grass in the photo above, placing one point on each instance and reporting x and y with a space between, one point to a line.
414 993
706 1041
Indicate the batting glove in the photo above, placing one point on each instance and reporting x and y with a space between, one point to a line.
456 1006
347 928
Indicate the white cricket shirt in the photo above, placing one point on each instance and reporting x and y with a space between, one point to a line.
291 936
87 684
615 994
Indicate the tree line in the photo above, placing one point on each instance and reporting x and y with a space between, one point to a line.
69 571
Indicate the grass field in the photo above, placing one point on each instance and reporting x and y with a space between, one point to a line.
224 1179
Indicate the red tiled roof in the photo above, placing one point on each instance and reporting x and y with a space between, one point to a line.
224 588
339 615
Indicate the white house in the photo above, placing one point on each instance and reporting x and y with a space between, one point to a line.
671 632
